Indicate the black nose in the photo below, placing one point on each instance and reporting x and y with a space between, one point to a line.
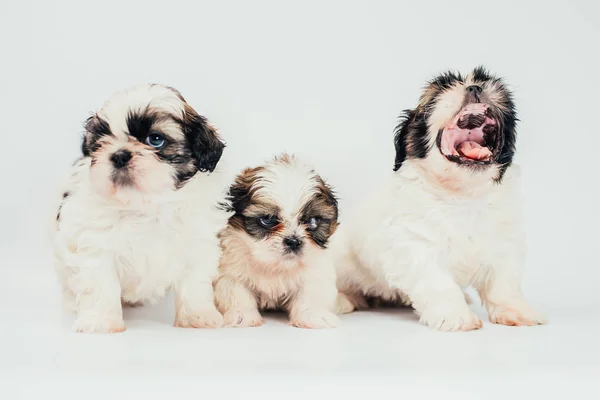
292 243
474 89
120 158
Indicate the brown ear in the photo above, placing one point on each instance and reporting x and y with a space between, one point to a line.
203 140
95 129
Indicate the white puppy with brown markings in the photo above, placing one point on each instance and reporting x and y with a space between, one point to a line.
449 216
275 247
139 214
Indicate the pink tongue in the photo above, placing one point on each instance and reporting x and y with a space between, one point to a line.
474 150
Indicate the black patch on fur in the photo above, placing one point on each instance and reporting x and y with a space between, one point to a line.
64 196
254 228
204 142
95 129
324 207
241 191
176 152
239 198
384 302
506 132
508 137
481 74
411 134
139 124
199 151
411 137
446 80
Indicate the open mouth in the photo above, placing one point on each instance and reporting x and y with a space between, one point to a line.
470 138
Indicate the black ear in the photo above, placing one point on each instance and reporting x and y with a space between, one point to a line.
410 137
509 138
203 140
95 129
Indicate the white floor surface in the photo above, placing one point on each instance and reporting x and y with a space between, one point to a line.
384 351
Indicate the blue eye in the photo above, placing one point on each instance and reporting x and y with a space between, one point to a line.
268 221
312 223
155 140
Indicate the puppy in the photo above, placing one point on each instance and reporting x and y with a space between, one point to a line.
139 214
275 247
449 217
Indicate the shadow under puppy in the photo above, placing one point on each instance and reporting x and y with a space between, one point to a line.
139 214
449 215
275 247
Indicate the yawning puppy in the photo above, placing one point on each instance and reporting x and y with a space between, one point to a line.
139 214
275 247
449 216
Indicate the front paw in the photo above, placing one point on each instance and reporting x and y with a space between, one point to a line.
98 325
206 318
516 315
315 319
242 319
450 318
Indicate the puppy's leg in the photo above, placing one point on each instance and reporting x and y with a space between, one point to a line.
346 303
97 293
194 299
434 294
352 280
313 305
502 296
237 303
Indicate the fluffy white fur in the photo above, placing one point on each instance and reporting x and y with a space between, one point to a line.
255 274
127 245
433 229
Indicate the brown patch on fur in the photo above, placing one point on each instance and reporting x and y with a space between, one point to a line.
428 94
130 304
258 208
177 92
241 194
284 158
511 317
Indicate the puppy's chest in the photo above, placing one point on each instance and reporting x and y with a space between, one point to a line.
147 245
467 228
275 291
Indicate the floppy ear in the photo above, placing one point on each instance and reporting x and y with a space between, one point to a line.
410 137
509 137
95 128
203 140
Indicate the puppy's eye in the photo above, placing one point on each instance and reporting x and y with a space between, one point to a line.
155 140
268 221
312 223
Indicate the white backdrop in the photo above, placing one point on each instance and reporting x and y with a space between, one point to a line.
323 79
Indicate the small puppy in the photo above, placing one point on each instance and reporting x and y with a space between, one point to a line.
449 217
275 247
139 214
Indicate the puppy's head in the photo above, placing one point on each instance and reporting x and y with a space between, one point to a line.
468 121
146 141
283 211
